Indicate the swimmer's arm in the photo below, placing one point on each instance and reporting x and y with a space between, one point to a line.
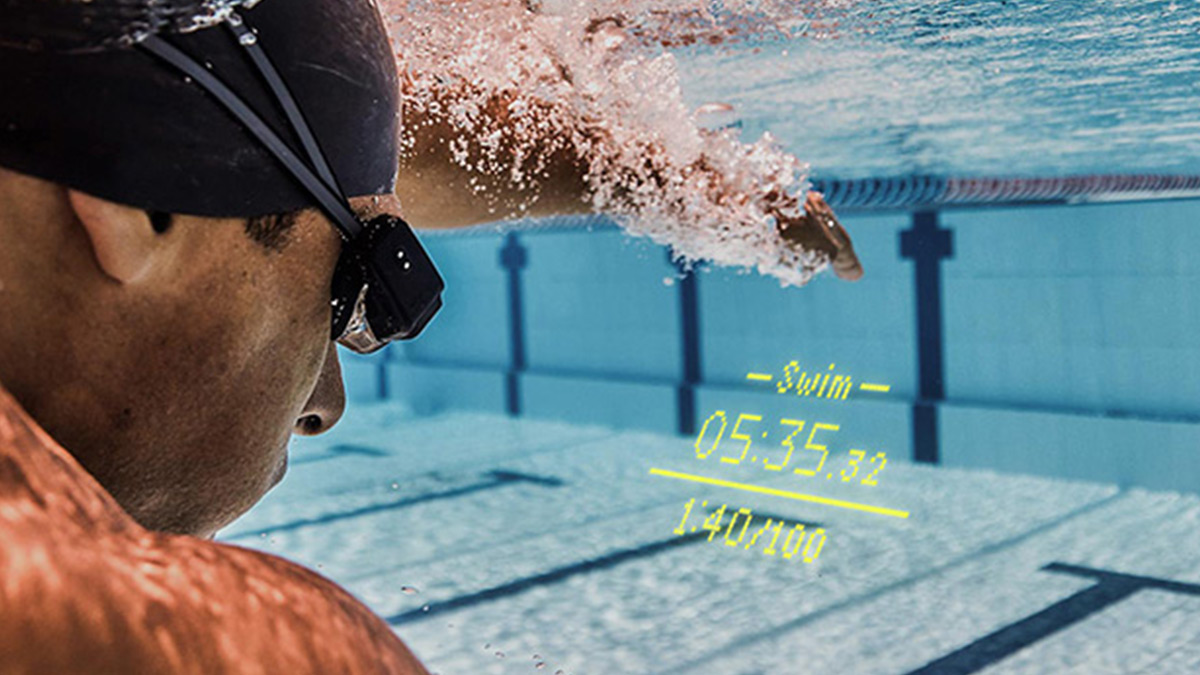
437 193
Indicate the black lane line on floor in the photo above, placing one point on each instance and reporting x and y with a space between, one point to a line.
760 637
498 478
560 574
339 451
1110 588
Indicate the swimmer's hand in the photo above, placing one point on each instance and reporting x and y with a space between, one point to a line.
819 230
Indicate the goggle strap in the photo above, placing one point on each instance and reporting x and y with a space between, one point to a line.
330 200
283 95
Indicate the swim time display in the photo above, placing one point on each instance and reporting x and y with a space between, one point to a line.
801 450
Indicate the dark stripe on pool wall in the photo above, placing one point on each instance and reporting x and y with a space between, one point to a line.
927 245
1110 588
560 574
514 258
497 478
689 344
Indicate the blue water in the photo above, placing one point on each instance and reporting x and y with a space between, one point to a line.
1066 440
983 87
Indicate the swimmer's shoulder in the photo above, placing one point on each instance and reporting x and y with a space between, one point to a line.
84 588
170 604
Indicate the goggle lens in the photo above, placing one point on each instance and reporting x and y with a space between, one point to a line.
385 287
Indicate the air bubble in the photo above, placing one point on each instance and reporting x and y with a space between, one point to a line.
410 590
247 39
620 99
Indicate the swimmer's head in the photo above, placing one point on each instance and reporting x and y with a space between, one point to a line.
165 284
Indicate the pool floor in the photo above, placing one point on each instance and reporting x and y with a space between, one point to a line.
499 545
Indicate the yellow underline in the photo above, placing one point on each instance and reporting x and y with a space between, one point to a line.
781 493
759 376
875 387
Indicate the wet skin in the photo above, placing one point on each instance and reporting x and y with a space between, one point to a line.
173 366
820 230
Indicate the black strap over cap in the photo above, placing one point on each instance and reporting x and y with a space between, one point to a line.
122 125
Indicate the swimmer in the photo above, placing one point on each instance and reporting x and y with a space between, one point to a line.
164 328
165 294
531 108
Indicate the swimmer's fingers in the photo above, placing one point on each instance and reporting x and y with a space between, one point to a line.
819 230
846 264
818 211
815 203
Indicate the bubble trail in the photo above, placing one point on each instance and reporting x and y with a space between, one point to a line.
524 88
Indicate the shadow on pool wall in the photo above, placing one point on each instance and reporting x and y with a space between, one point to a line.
1069 337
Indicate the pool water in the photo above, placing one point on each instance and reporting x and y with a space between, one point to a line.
494 545
975 87
523 488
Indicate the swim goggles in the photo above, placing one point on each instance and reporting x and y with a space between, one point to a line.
385 287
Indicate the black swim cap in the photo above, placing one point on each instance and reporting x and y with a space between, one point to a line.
80 107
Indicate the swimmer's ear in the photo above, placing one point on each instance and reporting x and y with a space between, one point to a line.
123 238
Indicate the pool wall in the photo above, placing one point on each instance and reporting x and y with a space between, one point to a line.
1052 340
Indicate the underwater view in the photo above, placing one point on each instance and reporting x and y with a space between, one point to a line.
714 337
982 457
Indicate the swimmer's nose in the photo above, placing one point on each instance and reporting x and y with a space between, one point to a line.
328 401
